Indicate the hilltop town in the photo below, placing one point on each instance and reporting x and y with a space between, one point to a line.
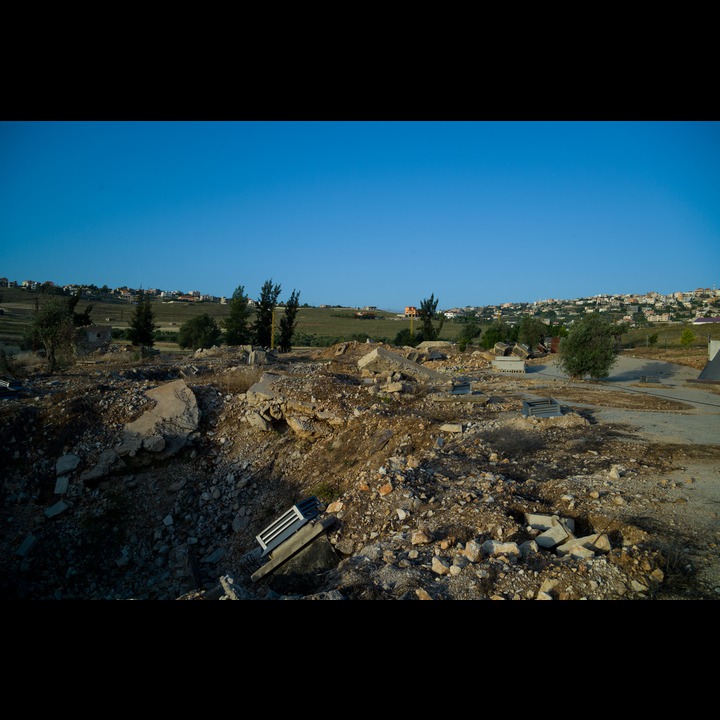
646 309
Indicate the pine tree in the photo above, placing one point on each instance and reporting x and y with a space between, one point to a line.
142 323
288 322
427 313
262 328
237 329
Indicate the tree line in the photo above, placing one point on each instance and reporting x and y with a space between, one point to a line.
588 348
55 325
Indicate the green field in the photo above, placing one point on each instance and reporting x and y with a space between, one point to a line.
315 326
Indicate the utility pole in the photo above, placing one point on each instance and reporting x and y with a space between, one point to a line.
272 330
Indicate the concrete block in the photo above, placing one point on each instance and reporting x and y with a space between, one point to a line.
61 485
382 360
552 536
26 545
56 509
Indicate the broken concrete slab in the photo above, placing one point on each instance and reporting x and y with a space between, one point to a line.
105 462
433 344
543 521
258 421
393 387
66 464
552 537
451 427
383 360
262 390
495 548
26 545
62 484
56 509
306 427
257 357
590 544
174 417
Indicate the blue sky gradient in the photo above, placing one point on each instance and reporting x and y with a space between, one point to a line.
381 213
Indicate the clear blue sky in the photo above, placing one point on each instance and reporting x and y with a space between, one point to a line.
380 213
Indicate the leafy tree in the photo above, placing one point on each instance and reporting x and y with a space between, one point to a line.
531 331
49 288
142 323
652 340
639 317
556 330
80 319
237 328
687 337
497 332
589 348
262 328
200 331
617 331
426 314
53 327
406 338
468 332
288 322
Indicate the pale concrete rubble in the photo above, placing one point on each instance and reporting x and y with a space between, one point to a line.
587 545
66 464
382 360
174 417
26 545
107 461
462 520
495 548
451 428
57 509
62 484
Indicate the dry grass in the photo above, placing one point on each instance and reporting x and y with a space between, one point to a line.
232 381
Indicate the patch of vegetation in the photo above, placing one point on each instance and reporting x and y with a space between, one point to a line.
326 491
514 443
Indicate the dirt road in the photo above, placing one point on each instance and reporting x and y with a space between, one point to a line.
681 419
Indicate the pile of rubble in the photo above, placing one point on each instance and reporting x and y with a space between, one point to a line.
159 480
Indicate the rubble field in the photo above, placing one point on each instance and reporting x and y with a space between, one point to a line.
151 480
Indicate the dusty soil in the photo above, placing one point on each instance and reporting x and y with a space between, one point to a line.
387 465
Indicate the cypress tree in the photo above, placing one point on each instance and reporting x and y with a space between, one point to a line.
288 322
262 328
142 323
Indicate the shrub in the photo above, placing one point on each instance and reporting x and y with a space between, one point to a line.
589 348
199 332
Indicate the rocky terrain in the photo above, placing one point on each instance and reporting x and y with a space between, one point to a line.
150 480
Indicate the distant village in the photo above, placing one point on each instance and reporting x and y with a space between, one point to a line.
696 306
